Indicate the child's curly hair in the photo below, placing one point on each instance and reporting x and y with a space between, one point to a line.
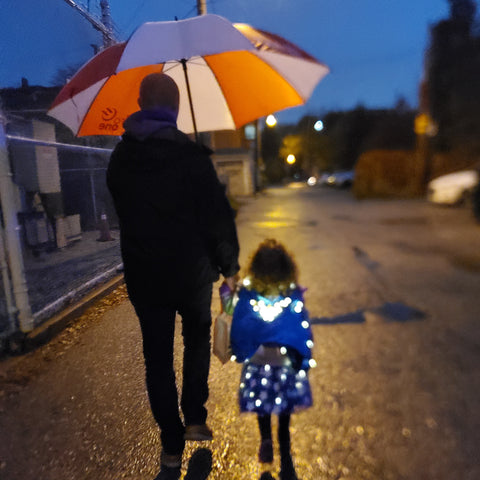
272 269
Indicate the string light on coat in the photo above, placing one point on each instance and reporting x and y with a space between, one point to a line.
298 306
270 311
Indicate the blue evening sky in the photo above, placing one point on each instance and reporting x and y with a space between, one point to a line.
374 48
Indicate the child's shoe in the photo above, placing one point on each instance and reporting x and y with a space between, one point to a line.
265 453
287 470
288 474
267 476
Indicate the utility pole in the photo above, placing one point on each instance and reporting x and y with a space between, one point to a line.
108 38
201 7
104 26
256 156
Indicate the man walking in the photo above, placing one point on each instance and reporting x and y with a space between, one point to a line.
177 235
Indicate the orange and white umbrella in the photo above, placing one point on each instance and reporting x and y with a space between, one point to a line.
228 76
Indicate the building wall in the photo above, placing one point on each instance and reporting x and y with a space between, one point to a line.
235 170
234 160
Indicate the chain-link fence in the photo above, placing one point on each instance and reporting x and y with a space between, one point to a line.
68 242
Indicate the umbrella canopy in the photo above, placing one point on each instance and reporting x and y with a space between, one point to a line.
228 75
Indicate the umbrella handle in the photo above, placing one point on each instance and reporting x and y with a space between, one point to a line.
184 64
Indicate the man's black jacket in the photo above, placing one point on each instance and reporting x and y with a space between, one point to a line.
176 225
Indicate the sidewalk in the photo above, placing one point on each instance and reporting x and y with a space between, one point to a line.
62 281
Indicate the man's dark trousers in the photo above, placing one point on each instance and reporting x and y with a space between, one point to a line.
157 322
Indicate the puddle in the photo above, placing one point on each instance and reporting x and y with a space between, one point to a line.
274 224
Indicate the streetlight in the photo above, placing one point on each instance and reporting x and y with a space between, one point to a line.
318 127
271 121
290 161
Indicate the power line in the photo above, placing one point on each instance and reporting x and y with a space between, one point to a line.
107 33
135 14
122 31
192 10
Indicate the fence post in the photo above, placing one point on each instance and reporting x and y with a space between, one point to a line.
12 238
7 287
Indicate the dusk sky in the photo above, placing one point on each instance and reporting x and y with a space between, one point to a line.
374 48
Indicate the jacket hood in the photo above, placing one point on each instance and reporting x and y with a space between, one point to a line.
158 124
150 123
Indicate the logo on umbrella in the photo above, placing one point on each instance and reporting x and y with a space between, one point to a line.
111 122
109 114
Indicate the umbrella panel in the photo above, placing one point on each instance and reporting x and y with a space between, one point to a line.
114 102
251 87
228 90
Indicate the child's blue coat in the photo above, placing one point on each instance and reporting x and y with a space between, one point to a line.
290 328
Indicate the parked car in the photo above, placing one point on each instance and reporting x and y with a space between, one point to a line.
341 179
318 180
454 188
312 181
323 179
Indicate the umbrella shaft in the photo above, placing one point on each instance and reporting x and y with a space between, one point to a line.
184 64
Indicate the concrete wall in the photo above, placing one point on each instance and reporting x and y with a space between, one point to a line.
235 170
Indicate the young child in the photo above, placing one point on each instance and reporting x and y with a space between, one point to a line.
271 335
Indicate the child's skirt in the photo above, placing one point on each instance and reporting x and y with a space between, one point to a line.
267 389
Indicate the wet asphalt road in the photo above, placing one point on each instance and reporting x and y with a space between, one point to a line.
393 399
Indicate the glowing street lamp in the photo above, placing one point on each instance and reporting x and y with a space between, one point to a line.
318 127
271 121
291 159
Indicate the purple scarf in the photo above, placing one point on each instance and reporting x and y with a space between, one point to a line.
149 123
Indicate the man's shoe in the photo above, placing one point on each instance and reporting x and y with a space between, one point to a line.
170 461
198 433
287 470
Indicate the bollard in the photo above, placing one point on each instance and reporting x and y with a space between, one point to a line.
104 229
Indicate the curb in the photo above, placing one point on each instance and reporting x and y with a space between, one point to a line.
23 343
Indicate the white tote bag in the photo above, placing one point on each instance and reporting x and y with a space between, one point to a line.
221 337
